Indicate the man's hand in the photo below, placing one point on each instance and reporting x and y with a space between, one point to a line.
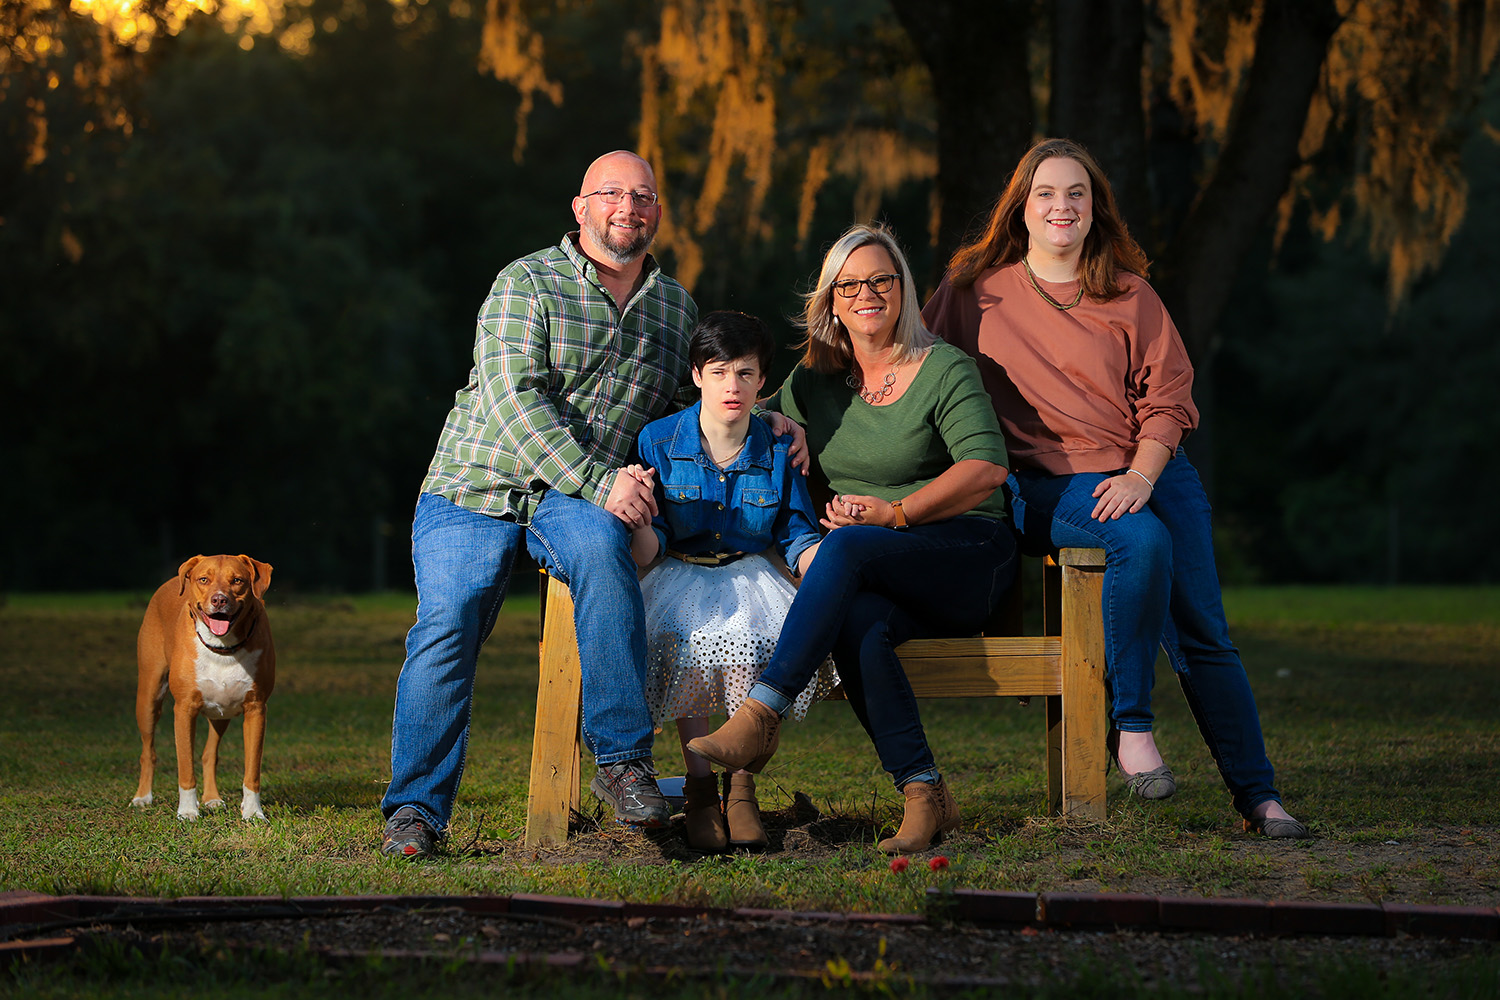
632 498
782 425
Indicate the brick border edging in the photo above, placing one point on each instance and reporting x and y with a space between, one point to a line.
1207 914
1040 911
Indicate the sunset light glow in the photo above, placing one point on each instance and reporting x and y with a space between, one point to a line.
133 25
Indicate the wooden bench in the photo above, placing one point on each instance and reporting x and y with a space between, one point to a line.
1065 665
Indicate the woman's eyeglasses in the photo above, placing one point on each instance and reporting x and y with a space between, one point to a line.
879 284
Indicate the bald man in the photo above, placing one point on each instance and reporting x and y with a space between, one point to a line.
577 348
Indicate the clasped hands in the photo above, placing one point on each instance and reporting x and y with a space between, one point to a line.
849 508
632 497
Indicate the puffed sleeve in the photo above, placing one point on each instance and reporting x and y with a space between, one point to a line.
1161 374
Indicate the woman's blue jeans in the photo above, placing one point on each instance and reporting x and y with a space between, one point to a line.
1161 589
870 589
463 562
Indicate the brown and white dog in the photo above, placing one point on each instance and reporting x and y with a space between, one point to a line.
206 636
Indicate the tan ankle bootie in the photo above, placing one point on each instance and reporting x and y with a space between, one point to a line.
930 813
742 811
706 829
745 742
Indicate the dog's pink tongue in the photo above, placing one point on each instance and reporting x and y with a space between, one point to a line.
218 626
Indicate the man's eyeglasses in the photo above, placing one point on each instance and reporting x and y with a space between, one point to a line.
879 284
613 196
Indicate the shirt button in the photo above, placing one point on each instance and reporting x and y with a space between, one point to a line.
717 535
720 506
721 479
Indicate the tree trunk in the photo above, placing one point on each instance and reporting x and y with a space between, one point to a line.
1096 94
975 51
1196 272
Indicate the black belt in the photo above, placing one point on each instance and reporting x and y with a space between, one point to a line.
707 558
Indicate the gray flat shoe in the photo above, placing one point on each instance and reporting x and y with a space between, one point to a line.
1157 783
1278 829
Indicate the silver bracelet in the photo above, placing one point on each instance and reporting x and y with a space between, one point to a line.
1143 476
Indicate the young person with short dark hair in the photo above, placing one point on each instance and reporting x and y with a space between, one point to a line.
725 492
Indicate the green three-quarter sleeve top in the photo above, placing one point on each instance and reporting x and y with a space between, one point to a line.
945 416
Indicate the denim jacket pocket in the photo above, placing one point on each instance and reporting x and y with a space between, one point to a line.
682 492
758 509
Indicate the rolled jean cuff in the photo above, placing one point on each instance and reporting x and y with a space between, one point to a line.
771 698
931 776
621 756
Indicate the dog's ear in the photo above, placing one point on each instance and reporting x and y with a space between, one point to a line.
262 580
183 571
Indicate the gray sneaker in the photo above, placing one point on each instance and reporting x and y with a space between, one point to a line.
408 835
630 787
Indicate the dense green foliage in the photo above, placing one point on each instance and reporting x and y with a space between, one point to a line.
239 329
236 325
1352 442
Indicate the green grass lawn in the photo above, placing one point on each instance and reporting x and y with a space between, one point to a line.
1381 709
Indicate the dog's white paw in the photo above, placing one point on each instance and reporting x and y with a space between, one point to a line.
187 803
214 804
141 801
250 805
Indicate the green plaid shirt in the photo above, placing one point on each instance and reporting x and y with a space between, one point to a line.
563 380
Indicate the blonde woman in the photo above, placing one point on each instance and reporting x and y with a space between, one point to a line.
918 543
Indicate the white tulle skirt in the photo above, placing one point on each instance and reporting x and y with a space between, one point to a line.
710 631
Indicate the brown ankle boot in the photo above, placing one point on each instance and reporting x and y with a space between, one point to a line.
745 742
706 830
742 811
930 813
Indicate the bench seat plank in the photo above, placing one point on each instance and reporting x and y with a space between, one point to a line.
1021 666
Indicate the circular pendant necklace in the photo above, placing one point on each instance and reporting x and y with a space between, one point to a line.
858 385
1031 276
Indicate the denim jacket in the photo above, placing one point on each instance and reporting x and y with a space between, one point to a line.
758 501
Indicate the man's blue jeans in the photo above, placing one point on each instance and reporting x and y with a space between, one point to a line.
870 589
463 563
1161 589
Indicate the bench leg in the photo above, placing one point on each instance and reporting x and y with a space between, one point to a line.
1055 755
554 793
1084 713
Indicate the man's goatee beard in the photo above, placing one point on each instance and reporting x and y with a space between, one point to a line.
633 250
